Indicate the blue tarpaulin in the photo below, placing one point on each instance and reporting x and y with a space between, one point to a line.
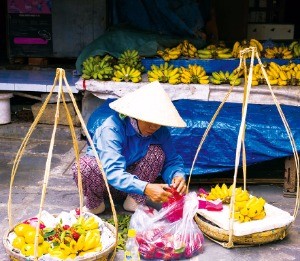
266 138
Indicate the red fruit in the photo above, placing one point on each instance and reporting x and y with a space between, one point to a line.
175 255
158 255
147 250
167 256
140 240
33 222
75 235
159 244
189 252
77 211
66 227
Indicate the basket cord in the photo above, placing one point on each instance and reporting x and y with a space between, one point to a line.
241 136
60 75
83 125
289 132
206 133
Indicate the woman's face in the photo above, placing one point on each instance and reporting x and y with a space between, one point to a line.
147 128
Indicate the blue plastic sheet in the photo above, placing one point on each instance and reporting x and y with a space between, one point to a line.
266 138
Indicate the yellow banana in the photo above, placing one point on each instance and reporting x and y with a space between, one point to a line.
238 216
283 75
204 81
261 215
273 82
257 44
243 196
216 75
256 207
282 82
225 55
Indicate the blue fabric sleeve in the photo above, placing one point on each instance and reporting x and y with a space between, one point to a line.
109 147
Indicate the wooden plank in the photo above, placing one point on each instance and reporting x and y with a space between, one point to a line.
239 181
290 178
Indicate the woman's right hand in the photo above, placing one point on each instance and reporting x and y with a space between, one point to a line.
157 192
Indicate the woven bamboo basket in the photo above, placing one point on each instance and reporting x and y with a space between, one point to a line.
99 256
226 238
216 233
105 254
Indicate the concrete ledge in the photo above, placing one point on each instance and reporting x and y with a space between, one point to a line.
31 80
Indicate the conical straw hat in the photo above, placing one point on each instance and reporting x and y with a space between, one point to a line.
149 103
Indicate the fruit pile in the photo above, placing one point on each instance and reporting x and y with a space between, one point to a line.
251 209
295 48
97 68
194 74
213 51
278 75
184 49
238 46
164 73
62 241
127 67
156 243
281 52
246 207
226 77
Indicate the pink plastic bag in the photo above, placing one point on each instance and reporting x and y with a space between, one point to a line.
167 236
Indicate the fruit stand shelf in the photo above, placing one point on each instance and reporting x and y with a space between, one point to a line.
32 80
211 65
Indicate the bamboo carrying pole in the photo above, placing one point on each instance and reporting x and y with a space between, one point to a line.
241 136
60 77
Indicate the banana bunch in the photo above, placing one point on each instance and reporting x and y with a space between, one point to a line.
170 53
224 193
251 209
295 48
282 52
188 49
292 71
220 192
125 73
225 78
238 46
193 74
164 73
285 74
255 43
214 52
258 77
98 68
86 243
132 59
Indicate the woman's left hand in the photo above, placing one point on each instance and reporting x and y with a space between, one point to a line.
179 184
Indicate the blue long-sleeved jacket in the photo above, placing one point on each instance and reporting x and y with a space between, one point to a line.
119 146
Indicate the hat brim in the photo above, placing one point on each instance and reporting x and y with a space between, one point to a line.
149 103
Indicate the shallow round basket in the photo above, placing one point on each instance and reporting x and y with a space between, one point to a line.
99 256
222 236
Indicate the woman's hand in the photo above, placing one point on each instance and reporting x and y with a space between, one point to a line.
179 184
157 192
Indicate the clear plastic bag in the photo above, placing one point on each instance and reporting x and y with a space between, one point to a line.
167 234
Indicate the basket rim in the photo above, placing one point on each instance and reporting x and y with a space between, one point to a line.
222 236
98 254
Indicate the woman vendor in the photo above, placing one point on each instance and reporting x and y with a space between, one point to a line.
134 146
